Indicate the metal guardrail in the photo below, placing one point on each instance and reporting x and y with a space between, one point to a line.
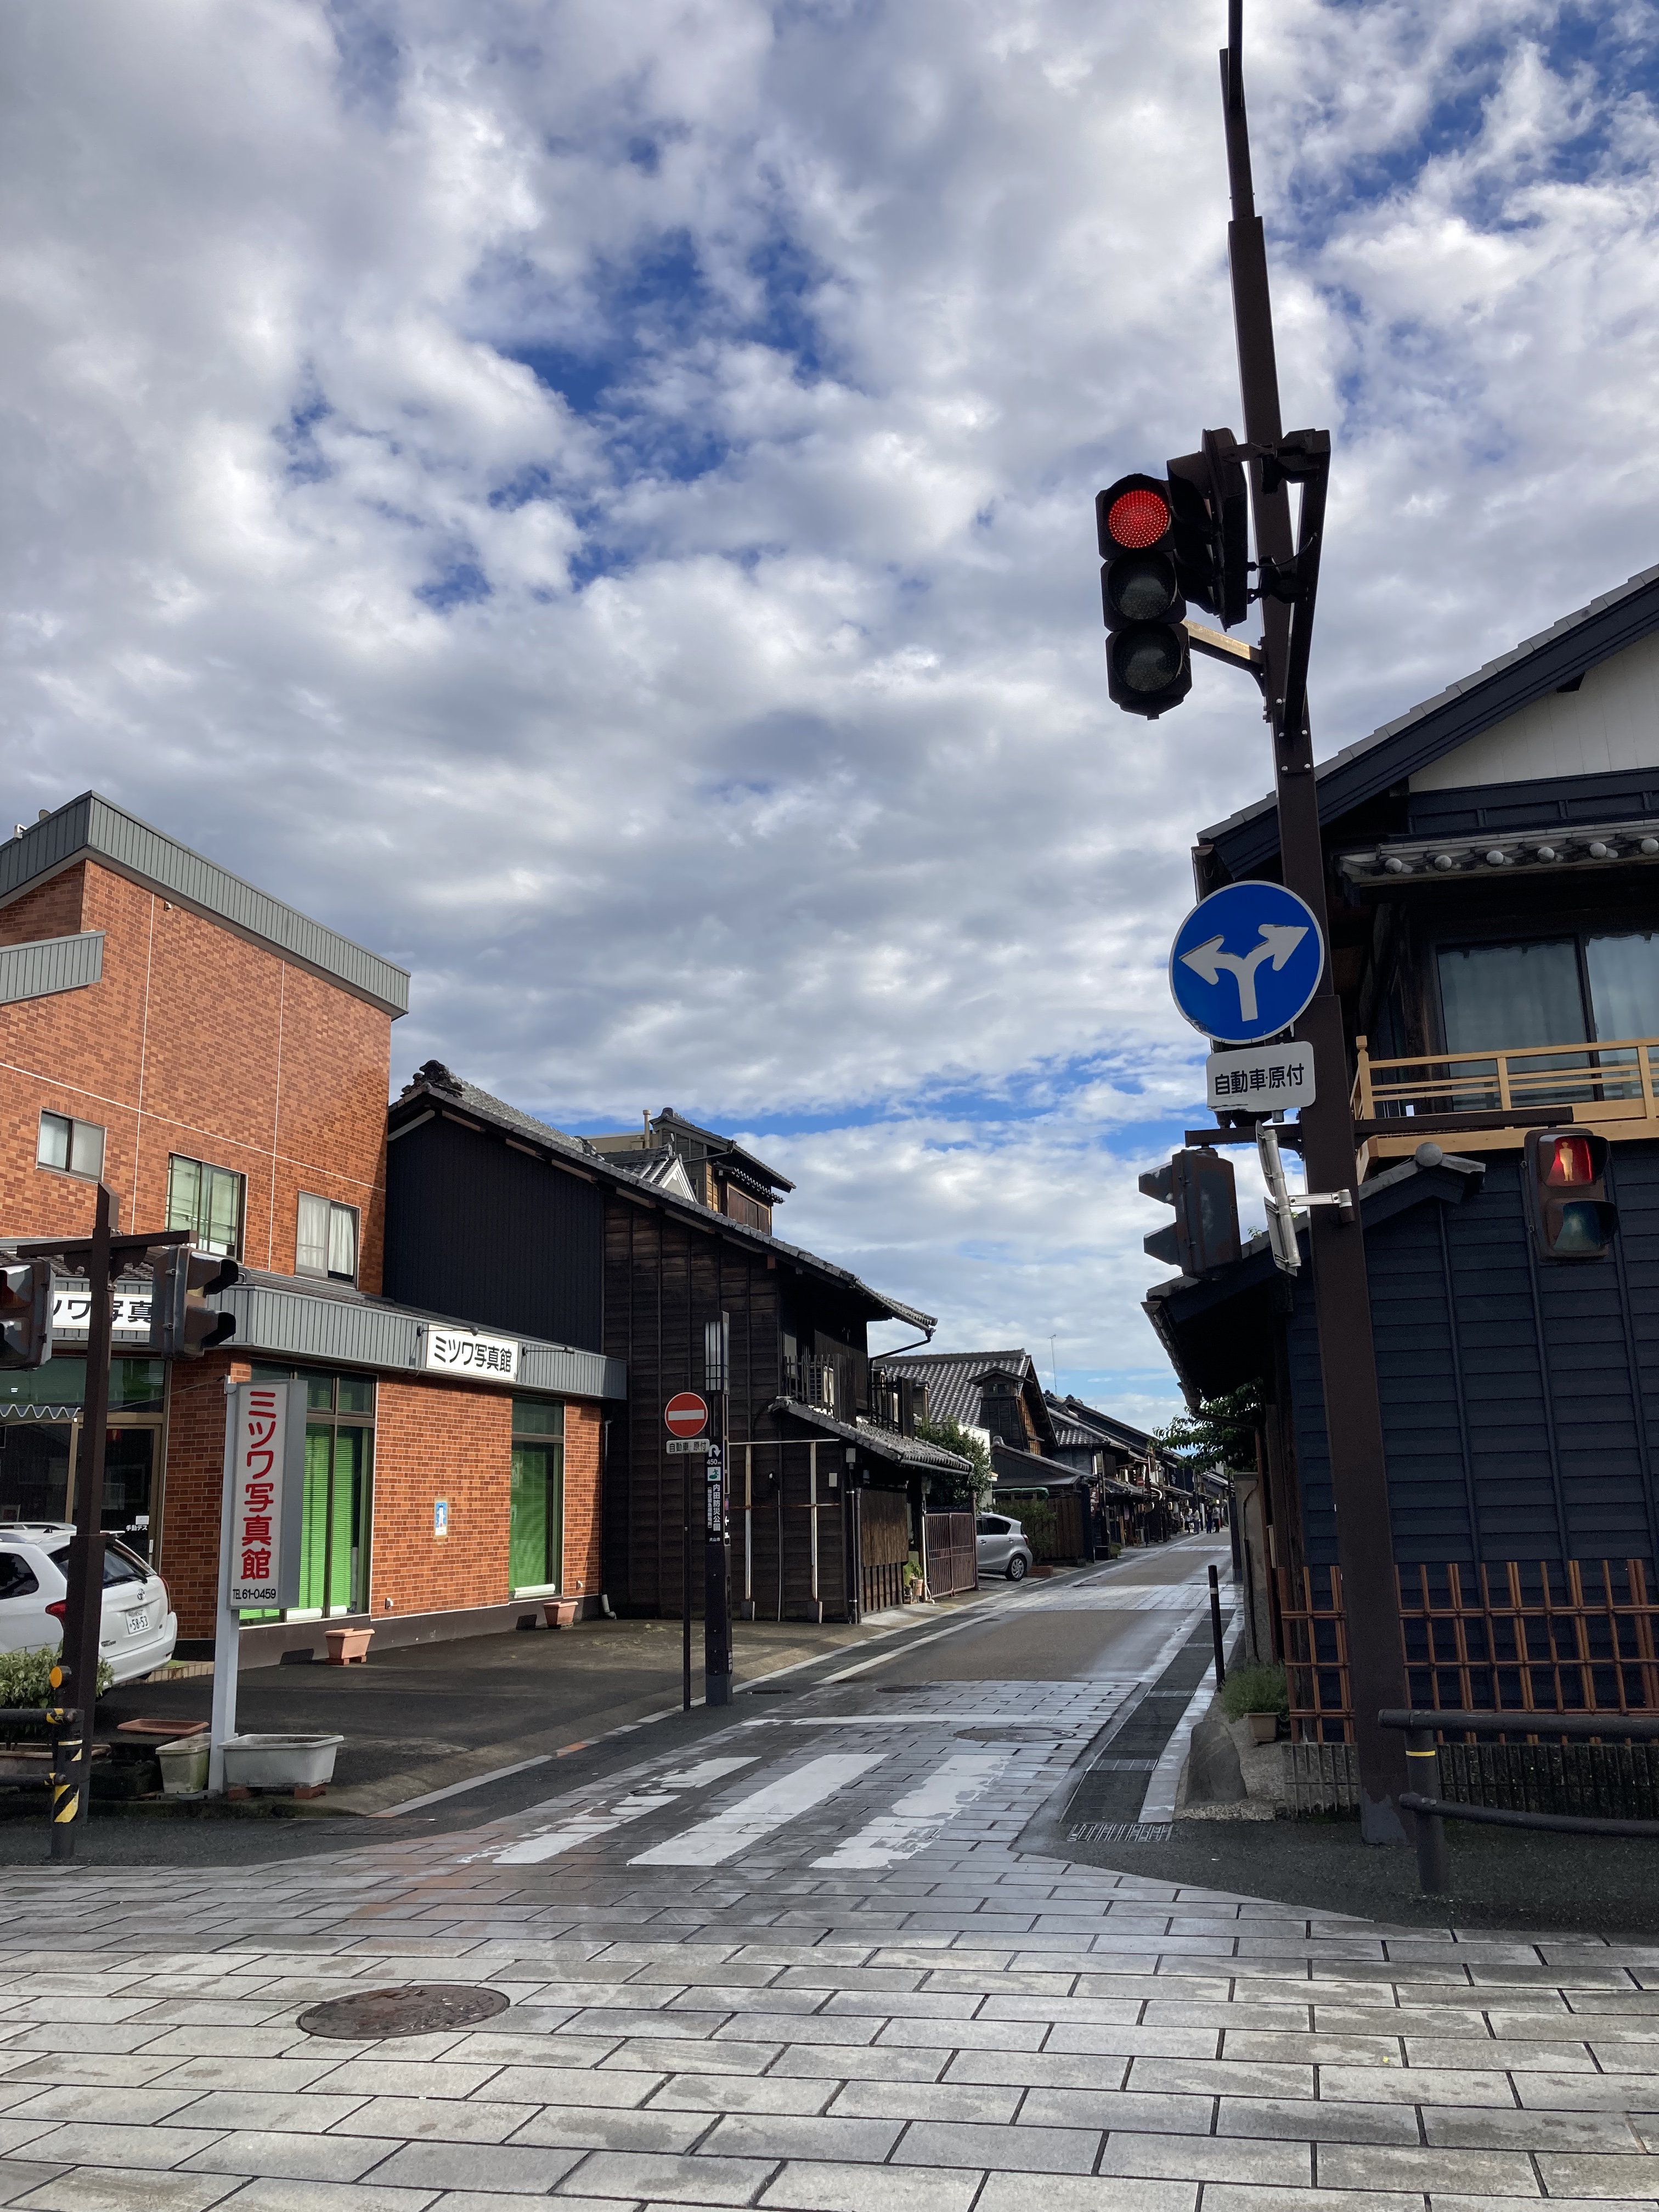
1430 1813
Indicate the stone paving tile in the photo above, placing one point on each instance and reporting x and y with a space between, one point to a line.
806 2187
643 2055
93 2143
451 2120
1207 2159
1496 2130
1019 2150
271 2193
1321 2120
659 2177
1383 2165
396 2077
609 2128
748 2134
1588 2173
114 2188
289 2155
1011 2193
710 2094
529 2172
19 2176
922 2100
1415 2085
883 2064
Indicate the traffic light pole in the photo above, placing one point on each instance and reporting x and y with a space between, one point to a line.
1353 1412
83 1603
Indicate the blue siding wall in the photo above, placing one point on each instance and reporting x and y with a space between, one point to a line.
1519 1400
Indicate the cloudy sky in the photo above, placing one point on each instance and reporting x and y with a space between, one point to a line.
595 502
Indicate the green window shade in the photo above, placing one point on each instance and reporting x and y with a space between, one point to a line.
535 1522
331 1530
538 1417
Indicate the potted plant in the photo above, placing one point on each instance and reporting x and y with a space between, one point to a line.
1256 1693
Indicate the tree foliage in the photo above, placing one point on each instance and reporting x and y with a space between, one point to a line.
947 1490
1221 1433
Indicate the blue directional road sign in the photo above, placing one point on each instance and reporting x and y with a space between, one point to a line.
1245 962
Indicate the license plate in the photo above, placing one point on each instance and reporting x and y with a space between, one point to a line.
137 1623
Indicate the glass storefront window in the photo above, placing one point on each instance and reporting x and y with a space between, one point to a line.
536 1512
40 1441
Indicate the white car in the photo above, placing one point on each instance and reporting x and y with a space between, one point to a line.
1001 1546
140 1627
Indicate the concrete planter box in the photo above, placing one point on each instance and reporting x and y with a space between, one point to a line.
183 1765
347 1646
279 1762
560 1612
1264 1727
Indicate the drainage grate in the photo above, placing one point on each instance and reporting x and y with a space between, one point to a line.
1120 1831
419 2009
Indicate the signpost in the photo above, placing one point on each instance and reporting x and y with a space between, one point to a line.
259 1527
685 1417
1272 1078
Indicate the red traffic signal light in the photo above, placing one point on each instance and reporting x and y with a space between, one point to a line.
1147 664
26 1296
182 1324
1572 1217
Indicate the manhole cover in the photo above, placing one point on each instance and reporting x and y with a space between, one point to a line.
418 2009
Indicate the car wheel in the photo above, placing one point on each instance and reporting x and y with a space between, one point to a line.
1017 1567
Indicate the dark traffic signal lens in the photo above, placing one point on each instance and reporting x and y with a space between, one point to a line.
1149 660
1143 586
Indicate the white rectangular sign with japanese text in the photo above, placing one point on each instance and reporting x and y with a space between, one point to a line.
462 1351
266 1495
1264 1078
71 1308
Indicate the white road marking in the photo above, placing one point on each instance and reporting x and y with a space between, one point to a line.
459 1788
582 1828
713 1841
709 1770
952 1720
918 1817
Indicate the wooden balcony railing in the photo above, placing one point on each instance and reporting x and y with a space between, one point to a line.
1609 1086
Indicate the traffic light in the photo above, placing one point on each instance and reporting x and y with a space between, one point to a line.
1212 512
182 1324
1204 1235
24 1313
1572 1217
1148 667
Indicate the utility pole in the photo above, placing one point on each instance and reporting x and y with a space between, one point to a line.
1348 1354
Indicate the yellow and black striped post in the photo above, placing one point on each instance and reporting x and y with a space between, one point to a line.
68 1726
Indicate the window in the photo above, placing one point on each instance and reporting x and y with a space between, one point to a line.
207 1201
72 1147
327 1241
1563 990
535 1522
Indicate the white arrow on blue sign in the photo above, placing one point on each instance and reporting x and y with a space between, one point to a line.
1246 962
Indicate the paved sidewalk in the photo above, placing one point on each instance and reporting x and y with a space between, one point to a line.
807 1971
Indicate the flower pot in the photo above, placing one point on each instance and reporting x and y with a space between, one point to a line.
1264 1727
347 1645
560 1612
183 1765
279 1762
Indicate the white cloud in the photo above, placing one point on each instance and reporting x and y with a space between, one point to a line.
726 724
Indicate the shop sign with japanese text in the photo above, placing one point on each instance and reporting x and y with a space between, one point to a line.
266 1494
1266 1079
462 1352
71 1309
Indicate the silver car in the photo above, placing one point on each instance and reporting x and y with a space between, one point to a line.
1000 1547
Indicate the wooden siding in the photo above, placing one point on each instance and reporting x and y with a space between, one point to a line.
1519 1400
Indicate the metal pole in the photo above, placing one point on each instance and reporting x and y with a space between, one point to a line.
227 1622
1433 1860
1215 1629
685 1587
1377 1666
83 1609
717 1563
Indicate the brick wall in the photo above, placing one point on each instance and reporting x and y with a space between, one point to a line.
189 1554
583 1572
198 1043
431 1441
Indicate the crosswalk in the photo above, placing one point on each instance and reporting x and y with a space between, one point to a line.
921 1817
568 1835
725 1834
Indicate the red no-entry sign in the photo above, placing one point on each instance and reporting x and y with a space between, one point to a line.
686 1414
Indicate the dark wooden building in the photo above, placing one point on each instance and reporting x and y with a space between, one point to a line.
1493 863
609 1252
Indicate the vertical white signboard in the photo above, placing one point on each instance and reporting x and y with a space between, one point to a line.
259 1526
262 1559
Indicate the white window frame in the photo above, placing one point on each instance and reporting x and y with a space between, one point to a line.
335 1207
75 1146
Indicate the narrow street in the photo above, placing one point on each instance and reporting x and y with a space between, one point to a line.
794 1956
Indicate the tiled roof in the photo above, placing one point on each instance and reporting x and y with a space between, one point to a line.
951 1376
885 1444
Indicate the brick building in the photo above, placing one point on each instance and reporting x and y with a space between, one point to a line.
221 1063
